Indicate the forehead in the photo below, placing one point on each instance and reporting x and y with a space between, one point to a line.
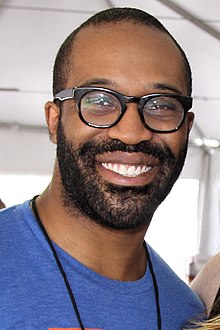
125 51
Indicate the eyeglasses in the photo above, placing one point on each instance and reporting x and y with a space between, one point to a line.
103 108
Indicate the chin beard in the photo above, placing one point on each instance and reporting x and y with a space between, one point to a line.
113 206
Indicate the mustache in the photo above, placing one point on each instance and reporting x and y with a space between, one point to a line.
94 148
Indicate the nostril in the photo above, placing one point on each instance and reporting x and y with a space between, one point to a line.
130 129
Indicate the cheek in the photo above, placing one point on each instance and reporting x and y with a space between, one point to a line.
76 131
177 140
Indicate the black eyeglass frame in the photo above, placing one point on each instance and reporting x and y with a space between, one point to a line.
77 93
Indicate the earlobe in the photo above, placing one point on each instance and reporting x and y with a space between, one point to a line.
52 114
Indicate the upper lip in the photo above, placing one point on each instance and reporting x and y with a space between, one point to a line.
134 158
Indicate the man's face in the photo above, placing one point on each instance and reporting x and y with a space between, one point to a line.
118 176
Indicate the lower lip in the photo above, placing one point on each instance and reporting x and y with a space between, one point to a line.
118 179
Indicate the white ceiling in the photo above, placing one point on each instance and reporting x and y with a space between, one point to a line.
31 31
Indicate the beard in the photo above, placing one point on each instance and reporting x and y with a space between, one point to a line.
113 206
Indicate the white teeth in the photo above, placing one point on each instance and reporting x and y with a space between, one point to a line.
126 170
138 170
144 169
131 171
115 168
109 166
122 169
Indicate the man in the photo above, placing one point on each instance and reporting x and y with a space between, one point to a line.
75 256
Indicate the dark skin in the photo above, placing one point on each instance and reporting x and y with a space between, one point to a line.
147 61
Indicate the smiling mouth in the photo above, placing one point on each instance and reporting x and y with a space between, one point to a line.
130 171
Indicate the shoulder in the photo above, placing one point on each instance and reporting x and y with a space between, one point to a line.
169 280
9 217
206 283
170 285
15 209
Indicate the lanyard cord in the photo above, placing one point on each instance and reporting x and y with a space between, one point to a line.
58 263
156 290
72 298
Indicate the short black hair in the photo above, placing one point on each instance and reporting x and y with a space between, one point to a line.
114 15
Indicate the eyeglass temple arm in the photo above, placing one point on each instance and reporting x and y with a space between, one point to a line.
66 94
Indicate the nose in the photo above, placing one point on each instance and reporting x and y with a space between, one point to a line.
130 129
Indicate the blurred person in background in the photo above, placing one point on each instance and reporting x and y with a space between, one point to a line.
207 285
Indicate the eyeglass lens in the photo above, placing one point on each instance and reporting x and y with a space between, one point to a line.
103 109
100 108
163 113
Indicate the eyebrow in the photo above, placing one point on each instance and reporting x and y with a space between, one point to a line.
163 86
99 81
108 82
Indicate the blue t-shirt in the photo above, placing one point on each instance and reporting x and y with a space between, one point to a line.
33 294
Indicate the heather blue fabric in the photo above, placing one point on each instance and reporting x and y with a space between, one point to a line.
33 294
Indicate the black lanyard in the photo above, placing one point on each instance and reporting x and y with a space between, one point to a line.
68 287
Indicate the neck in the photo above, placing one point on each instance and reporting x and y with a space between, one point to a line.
115 254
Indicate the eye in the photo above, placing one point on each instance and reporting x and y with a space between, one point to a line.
163 107
99 102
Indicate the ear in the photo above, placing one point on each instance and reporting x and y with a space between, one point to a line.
52 114
190 120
